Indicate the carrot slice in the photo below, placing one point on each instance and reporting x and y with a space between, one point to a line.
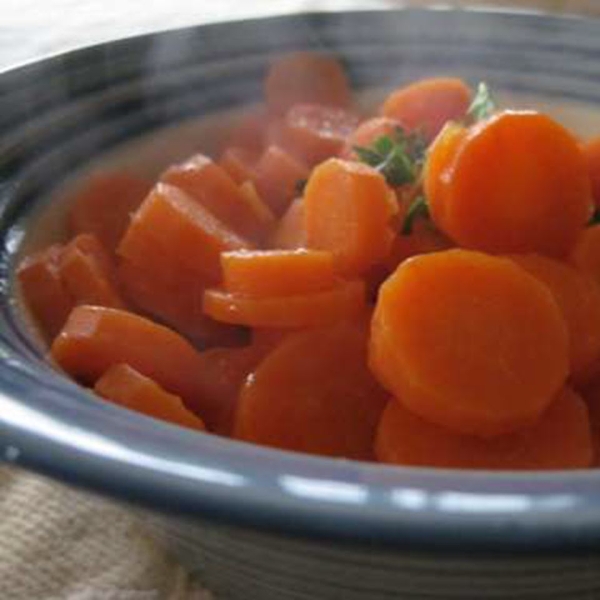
238 163
103 205
313 393
535 201
305 77
578 298
469 341
43 290
173 230
368 132
344 302
277 177
87 273
209 184
290 232
428 104
591 152
586 253
560 439
262 213
314 132
264 273
347 211
128 388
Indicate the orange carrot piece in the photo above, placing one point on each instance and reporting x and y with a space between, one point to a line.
559 439
209 184
586 253
43 291
429 104
368 132
277 177
238 163
128 388
173 229
591 151
87 273
314 394
248 132
344 302
469 341
347 211
306 77
536 201
262 213
578 297
264 273
290 232
103 205
313 132
268 337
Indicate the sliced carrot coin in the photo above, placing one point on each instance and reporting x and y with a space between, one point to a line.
263 214
559 439
469 341
314 394
238 163
128 388
290 232
345 302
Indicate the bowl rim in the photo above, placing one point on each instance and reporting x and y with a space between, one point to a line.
48 424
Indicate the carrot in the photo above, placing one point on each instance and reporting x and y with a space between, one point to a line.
427 105
368 132
128 388
43 290
171 231
290 232
264 273
469 341
209 184
537 200
313 393
559 439
346 301
103 205
314 132
262 213
238 163
277 177
87 273
591 151
248 131
268 337
96 338
586 253
305 77
578 297
347 210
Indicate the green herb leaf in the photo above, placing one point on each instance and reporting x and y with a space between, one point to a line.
417 209
483 105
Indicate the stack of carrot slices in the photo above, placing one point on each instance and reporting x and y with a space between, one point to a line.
418 287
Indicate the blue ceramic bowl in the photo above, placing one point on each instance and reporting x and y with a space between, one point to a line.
261 523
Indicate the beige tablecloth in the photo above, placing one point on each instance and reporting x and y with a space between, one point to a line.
56 543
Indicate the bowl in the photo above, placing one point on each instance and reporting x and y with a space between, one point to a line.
259 523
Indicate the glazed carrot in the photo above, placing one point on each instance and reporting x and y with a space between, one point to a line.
290 232
591 151
103 205
128 388
314 132
346 301
171 230
43 290
264 273
535 201
347 210
209 184
262 213
367 133
87 274
559 439
239 163
305 77
586 253
277 177
469 341
428 105
578 297
313 393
